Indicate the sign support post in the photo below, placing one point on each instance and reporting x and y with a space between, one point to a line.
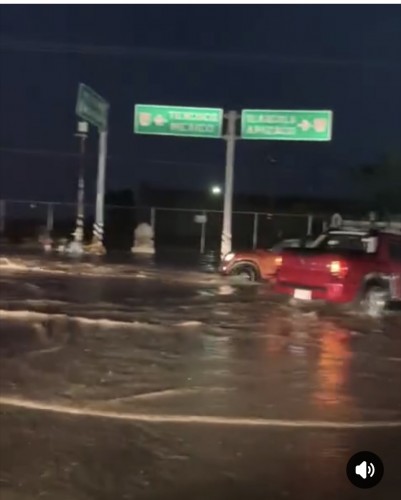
82 134
98 226
94 109
226 235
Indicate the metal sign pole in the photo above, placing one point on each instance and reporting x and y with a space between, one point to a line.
79 228
92 107
98 226
226 236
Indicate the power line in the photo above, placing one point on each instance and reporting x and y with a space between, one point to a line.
120 159
37 152
157 53
284 171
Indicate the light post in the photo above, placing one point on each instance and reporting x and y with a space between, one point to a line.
82 134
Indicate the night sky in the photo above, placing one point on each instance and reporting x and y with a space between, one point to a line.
344 58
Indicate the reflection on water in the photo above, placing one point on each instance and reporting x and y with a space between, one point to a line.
176 258
277 338
293 332
333 365
226 290
327 352
120 262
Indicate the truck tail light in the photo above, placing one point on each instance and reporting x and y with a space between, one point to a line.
338 268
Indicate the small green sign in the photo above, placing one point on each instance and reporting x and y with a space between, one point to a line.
178 121
286 125
92 107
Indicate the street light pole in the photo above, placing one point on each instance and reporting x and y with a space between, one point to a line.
79 225
226 236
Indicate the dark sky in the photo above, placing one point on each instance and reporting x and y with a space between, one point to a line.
344 58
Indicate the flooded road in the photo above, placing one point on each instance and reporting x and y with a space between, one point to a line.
130 382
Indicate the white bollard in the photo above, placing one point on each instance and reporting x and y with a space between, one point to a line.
143 240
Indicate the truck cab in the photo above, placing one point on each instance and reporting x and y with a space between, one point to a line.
345 265
258 264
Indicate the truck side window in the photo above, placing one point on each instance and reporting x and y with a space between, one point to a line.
344 242
395 250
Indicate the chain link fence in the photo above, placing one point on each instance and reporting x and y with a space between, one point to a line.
23 221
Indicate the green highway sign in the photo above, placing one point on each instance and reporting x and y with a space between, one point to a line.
286 125
91 107
178 121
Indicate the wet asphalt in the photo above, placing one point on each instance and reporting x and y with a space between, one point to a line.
126 381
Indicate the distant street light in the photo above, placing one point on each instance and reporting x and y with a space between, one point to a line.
216 190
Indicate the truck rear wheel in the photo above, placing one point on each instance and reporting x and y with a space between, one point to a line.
374 300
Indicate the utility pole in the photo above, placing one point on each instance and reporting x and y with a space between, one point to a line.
82 134
226 236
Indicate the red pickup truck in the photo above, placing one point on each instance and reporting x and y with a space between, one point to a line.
345 266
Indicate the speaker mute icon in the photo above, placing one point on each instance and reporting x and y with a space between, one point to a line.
364 470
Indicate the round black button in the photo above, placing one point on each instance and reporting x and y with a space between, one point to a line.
365 469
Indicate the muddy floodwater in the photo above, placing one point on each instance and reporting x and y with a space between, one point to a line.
129 382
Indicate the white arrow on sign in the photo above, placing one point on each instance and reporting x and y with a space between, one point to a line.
159 120
304 125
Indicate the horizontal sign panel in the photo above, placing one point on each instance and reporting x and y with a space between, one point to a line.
178 121
286 125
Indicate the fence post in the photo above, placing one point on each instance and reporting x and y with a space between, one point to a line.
255 230
153 219
2 216
203 234
310 225
50 218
